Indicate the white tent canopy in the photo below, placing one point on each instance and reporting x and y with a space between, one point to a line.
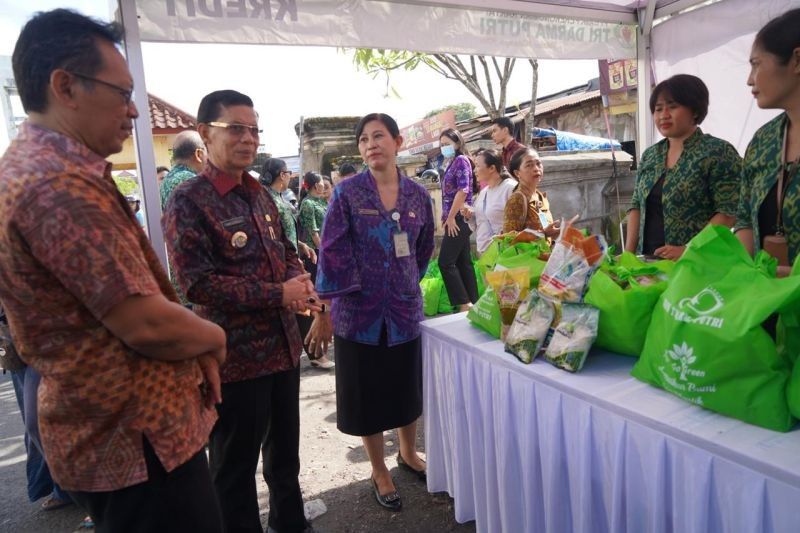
706 38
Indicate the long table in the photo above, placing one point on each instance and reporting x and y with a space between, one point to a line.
532 448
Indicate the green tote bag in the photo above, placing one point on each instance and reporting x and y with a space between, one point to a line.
706 342
625 312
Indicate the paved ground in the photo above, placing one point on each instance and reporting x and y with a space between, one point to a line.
334 468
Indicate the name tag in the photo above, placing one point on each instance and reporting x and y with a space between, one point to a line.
543 220
374 212
231 222
401 248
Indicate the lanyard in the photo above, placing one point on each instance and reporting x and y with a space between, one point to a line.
789 173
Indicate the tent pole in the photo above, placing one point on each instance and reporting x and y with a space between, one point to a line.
143 135
644 137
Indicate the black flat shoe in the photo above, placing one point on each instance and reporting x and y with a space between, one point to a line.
390 501
422 475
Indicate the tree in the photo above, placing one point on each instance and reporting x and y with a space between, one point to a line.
464 111
532 110
485 77
126 184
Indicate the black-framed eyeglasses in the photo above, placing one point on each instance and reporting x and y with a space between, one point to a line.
237 129
127 94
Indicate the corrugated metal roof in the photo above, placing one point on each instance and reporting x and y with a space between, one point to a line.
165 116
565 101
480 127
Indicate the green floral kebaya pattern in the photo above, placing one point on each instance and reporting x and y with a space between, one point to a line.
762 162
704 182
177 175
287 219
311 217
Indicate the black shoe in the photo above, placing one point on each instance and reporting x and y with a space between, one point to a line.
390 501
422 475
308 529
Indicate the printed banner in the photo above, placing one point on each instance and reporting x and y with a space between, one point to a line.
425 133
617 76
382 24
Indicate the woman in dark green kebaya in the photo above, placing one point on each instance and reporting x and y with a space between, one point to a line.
687 180
769 208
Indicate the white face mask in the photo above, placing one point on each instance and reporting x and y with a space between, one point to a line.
448 151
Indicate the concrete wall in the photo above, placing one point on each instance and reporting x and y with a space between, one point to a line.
583 183
588 120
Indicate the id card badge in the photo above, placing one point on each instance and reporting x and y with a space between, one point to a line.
543 220
401 248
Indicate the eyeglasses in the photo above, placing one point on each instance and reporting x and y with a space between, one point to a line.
237 129
126 94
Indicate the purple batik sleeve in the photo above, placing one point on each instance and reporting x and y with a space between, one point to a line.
425 243
463 173
338 273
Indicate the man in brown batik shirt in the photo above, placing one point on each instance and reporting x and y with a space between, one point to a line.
122 414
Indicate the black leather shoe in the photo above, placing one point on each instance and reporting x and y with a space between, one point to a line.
390 501
421 474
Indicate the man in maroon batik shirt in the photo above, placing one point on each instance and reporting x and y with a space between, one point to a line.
237 268
503 134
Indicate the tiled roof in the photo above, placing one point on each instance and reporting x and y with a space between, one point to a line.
165 116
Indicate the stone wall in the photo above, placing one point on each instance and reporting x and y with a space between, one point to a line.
583 183
576 183
326 139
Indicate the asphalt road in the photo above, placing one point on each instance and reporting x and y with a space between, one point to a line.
334 468
17 513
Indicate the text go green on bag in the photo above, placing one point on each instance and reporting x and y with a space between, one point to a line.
706 343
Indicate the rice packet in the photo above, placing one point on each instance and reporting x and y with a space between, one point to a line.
573 336
528 332
572 262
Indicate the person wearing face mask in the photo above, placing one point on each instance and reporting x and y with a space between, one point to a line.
770 193
455 261
687 180
527 207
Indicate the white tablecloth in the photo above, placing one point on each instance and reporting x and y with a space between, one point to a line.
533 448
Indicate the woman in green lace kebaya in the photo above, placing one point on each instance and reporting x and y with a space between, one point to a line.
773 154
685 181
313 208
275 177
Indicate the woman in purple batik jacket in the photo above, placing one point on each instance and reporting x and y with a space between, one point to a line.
455 259
376 244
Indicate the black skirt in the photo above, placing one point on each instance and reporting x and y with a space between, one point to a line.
377 387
